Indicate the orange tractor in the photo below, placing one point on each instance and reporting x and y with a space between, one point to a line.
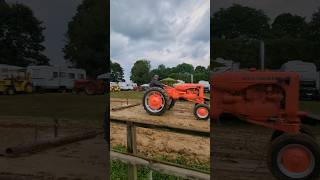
271 99
157 100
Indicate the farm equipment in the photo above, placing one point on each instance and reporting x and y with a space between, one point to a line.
157 100
271 99
19 82
89 87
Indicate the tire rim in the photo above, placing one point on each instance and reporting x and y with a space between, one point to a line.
154 101
29 88
202 112
296 161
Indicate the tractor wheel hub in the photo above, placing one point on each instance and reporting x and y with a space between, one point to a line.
296 161
155 101
202 111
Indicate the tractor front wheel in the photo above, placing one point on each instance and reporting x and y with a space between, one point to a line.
11 91
294 157
201 111
155 101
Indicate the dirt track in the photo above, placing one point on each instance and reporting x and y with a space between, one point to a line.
157 143
240 148
83 160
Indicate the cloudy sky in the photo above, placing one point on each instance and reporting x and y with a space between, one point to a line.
273 8
166 32
55 15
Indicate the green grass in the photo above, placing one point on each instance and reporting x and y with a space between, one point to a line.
119 170
127 94
54 104
311 107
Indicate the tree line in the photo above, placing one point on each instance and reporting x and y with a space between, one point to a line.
87 36
141 72
236 33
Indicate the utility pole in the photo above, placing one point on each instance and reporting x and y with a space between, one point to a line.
191 78
262 54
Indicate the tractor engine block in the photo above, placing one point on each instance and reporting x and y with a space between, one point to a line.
262 97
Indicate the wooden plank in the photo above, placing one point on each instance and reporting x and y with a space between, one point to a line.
171 128
160 167
125 107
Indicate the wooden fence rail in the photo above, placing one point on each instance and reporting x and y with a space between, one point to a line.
168 168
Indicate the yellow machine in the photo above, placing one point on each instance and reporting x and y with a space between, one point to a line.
16 81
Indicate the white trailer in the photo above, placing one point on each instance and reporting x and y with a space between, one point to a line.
8 71
55 78
309 77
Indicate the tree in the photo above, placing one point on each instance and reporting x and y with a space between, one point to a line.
116 72
314 27
288 25
200 69
239 22
20 36
140 72
183 68
87 38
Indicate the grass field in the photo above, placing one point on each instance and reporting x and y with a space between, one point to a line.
54 104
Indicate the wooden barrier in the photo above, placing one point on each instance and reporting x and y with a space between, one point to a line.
132 159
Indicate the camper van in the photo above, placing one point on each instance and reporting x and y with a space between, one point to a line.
309 77
55 78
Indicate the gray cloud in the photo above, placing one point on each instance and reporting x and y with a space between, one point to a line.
166 32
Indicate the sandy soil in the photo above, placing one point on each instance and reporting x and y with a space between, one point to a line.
240 149
157 143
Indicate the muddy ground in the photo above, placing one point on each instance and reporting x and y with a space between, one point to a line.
83 160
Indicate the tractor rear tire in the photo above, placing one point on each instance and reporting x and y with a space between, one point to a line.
294 157
164 100
173 102
303 129
90 89
201 111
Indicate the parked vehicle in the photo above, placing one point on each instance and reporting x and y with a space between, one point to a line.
55 78
144 87
92 86
309 78
14 79
114 87
206 85
125 86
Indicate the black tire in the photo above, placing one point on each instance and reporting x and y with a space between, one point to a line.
10 91
165 98
28 88
304 141
303 129
198 116
90 89
173 102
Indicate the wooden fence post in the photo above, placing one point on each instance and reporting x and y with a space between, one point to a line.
56 126
132 148
35 130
